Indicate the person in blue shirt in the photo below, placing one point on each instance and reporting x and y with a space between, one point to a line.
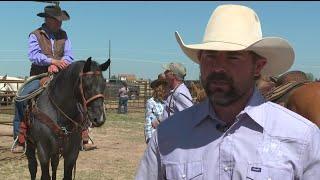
235 133
155 106
179 97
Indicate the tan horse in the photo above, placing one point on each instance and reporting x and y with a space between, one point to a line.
295 92
305 100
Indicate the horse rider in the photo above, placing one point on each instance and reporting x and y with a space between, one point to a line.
235 133
179 97
49 51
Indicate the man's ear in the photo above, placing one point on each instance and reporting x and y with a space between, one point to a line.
259 65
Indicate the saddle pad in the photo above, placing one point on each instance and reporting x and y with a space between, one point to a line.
281 90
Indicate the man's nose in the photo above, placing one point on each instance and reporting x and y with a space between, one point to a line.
218 65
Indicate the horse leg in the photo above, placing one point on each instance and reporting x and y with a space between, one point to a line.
32 161
44 162
69 163
54 165
70 155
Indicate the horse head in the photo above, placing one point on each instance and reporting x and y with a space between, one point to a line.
92 88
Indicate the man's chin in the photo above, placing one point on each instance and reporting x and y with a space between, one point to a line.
220 88
220 101
222 98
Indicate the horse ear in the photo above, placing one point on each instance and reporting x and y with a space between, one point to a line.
87 65
105 65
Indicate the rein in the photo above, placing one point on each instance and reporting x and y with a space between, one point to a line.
85 101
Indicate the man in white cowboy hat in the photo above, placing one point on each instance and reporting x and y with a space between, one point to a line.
234 133
179 97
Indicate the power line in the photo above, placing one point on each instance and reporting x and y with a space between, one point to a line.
131 51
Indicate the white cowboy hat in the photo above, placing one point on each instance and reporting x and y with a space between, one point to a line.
235 28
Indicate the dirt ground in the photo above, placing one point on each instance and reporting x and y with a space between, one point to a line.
120 144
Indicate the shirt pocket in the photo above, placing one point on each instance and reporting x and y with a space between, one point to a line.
269 172
184 171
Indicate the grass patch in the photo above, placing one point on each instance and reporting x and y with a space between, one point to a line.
120 144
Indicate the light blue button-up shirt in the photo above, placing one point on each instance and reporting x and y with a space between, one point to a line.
267 141
178 100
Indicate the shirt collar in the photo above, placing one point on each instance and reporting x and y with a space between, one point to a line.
49 33
203 111
252 109
175 88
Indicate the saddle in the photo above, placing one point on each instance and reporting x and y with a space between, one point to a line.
44 80
31 98
281 90
285 84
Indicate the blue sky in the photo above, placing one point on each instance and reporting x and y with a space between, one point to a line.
142 33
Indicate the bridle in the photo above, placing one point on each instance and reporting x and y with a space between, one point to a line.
85 101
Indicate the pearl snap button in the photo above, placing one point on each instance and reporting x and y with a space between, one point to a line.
226 168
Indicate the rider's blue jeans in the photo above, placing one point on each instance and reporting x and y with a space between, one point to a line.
20 106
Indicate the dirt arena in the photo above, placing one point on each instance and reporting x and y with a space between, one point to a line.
120 144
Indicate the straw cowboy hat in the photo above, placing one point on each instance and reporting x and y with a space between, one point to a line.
235 28
55 12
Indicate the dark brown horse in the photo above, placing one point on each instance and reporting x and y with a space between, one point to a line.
294 91
70 104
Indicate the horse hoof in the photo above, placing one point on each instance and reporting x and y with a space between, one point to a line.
88 147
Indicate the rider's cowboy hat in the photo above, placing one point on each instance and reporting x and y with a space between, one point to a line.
54 12
236 27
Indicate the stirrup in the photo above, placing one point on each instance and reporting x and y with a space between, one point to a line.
15 143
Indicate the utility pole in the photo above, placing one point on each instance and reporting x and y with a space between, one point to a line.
109 58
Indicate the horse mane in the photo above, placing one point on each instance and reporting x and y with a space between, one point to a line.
72 72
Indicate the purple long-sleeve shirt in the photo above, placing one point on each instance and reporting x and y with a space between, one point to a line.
38 58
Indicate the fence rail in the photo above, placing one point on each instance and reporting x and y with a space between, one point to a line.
140 92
